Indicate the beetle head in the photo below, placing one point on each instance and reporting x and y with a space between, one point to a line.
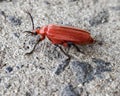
36 31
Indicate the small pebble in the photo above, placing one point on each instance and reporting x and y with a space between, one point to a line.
42 68
17 35
9 69
19 66
2 13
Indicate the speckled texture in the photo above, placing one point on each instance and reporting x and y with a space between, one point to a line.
34 75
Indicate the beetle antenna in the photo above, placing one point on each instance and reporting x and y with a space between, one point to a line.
29 32
31 19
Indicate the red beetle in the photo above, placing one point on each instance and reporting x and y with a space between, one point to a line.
62 35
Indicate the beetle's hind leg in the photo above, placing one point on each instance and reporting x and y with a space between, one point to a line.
77 48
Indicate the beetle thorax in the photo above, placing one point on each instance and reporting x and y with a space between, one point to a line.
43 30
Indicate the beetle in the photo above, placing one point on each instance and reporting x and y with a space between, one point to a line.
61 35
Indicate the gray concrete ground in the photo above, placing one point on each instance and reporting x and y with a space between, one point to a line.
45 72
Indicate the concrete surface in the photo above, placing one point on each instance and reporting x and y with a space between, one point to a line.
45 72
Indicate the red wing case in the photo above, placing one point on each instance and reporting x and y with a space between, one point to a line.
68 34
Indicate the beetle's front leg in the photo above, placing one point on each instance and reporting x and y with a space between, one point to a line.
40 39
28 53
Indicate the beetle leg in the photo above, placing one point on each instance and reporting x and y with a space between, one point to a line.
63 51
77 48
28 53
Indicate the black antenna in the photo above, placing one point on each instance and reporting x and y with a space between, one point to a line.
31 18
